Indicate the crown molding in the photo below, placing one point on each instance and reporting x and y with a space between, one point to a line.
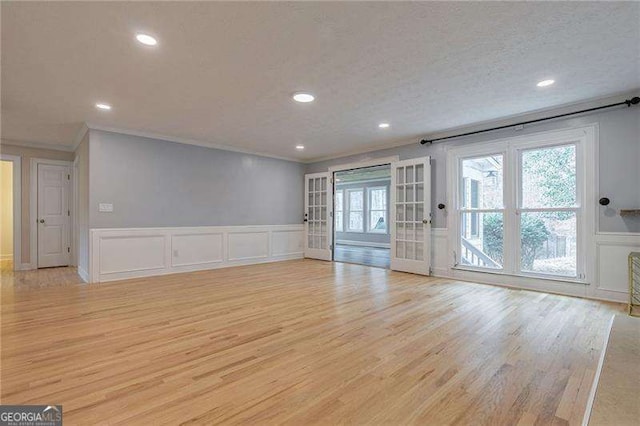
402 142
186 141
80 135
37 145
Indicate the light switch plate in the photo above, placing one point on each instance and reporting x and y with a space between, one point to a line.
105 207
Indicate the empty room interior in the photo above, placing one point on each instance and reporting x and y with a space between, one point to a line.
320 213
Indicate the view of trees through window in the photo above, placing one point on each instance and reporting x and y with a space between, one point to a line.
547 214
548 226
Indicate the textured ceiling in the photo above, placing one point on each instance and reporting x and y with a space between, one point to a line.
223 73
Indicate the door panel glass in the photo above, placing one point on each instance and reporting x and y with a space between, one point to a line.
485 248
317 226
548 242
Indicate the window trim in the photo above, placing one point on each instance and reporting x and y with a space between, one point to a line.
369 210
585 139
348 210
335 210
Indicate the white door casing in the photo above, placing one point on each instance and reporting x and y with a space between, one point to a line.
318 210
410 217
53 218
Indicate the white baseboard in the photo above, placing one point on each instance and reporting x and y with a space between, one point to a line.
363 244
83 274
118 254
24 267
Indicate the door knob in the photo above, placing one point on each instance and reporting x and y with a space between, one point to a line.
41 220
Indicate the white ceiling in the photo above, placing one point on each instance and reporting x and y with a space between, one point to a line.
223 73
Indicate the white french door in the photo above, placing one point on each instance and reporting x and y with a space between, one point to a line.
318 209
53 215
411 215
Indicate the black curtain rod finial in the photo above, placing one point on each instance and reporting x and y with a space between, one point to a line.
425 141
632 101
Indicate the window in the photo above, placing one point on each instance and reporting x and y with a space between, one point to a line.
355 199
339 210
548 210
470 198
481 213
518 205
378 209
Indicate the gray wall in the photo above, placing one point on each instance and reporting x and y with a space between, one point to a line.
156 183
618 159
369 237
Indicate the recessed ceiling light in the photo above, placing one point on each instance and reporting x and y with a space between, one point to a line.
303 97
545 83
299 147
146 39
103 106
384 125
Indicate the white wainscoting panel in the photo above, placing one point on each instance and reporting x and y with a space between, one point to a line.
439 252
197 248
285 242
132 253
248 245
139 252
612 267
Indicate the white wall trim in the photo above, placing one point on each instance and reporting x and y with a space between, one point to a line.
17 208
33 205
363 243
79 136
365 163
123 253
52 146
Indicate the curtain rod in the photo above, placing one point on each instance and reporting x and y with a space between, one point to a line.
628 102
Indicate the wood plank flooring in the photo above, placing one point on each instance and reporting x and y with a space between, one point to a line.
298 342
371 256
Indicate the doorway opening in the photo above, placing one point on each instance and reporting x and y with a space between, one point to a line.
7 236
403 213
361 216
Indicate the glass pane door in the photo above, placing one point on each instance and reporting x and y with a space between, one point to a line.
411 225
318 205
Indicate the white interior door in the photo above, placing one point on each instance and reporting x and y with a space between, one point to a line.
53 215
318 213
411 215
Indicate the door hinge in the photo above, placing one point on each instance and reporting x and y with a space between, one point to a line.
68 212
68 177
68 249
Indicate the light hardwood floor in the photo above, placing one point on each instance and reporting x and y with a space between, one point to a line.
297 342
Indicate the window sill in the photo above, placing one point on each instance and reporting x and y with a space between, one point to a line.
532 276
